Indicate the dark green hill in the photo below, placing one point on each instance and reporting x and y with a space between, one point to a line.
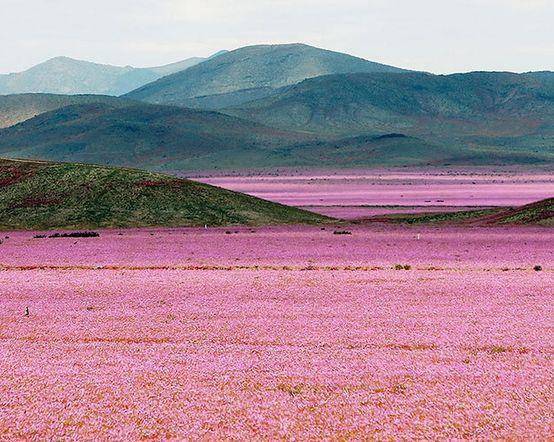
236 76
487 117
141 135
39 195
349 104
20 107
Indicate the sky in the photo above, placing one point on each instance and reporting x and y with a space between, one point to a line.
440 36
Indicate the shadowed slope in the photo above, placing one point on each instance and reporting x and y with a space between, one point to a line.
349 104
39 195
20 107
488 117
140 135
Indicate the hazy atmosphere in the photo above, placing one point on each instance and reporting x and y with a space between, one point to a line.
439 36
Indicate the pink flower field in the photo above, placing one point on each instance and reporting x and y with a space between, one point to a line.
290 333
420 187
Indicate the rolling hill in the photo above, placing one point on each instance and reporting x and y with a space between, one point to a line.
20 107
174 139
141 135
40 196
349 104
64 75
250 72
539 213
501 116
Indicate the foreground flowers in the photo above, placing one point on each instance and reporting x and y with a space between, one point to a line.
277 333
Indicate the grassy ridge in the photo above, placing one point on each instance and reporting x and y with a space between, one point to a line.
540 212
537 213
40 195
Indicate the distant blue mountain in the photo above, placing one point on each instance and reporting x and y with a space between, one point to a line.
63 75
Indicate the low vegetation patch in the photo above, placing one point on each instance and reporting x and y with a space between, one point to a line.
402 267
441 217
537 213
70 235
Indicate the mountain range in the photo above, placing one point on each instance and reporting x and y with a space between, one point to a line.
292 105
174 139
64 75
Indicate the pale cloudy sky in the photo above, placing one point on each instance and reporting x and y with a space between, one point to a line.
439 36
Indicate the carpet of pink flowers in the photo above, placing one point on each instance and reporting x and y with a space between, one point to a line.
423 187
287 333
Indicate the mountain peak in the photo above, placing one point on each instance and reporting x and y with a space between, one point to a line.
252 68
62 59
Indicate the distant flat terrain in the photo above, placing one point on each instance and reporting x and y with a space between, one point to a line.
434 189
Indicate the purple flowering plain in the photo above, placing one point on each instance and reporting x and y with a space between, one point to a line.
278 333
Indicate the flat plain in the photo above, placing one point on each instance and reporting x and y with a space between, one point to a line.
278 332
416 187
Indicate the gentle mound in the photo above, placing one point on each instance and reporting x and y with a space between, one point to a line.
540 212
41 195
537 213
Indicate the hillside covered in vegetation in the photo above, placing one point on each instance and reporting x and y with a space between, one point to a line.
41 195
